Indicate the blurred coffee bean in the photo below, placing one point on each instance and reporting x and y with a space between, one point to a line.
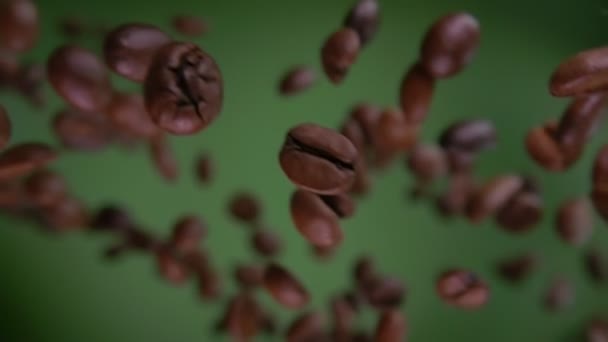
129 49
66 214
9 68
248 276
493 196
599 193
170 267
596 265
112 217
574 221
578 122
461 188
339 53
5 128
284 288
266 243
29 81
140 240
469 136
307 327
128 113
209 283
427 162
385 293
80 131
189 25
342 204
391 327
363 180
45 187
559 295
80 78
245 207
462 289
19 160
315 220
522 212
544 149
343 315
367 117
352 130
518 268
242 317
584 73
597 331
318 159
163 158
187 233
20 25
364 18
12 196
323 253
204 168
450 44
392 134
364 272
296 80
183 90
416 94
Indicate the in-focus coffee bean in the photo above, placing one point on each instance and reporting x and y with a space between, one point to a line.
183 90
462 289
163 158
518 268
559 295
296 80
315 220
19 160
364 18
309 326
19 25
266 243
584 73
318 159
187 233
81 131
391 327
339 53
245 207
204 168
574 221
189 25
284 287
416 94
5 128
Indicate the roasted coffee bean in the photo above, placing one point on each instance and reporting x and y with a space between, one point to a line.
339 53
367 116
493 196
24 158
80 131
574 221
129 49
5 128
140 240
12 196
544 148
462 289
45 187
266 243
66 214
584 73
559 295
204 168
20 26
128 113
596 264
9 68
296 80
364 272
209 284
323 253
245 207
170 267
599 193
113 217
318 159
391 327
284 288
597 331
307 327
354 132
450 44
315 219
183 90
578 122
29 82
188 232
385 293
393 134
469 136
522 212
189 25
427 162
461 189
80 78
248 276
343 315
416 94
163 158
242 317
342 204
517 269
364 18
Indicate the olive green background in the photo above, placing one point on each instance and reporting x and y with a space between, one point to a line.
58 287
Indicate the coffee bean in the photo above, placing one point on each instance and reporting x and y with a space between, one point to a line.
493 196
391 327
385 293
242 317
460 191
266 243
364 18
450 44
363 181
574 221
599 194
367 116
315 220
518 268
80 78
64 215
296 80
544 148
189 25
12 196
20 26
522 212
80 131
170 267
29 81
393 134
427 162
45 187
339 53
248 276
187 233
364 272
9 68
140 240
284 288
183 90
318 159
163 158
352 130
204 168
307 327
597 331
469 136
245 207
128 113
416 94
113 217
596 265
462 289
578 122
341 204
343 315
19 160
5 128
584 73
559 295
323 253
209 283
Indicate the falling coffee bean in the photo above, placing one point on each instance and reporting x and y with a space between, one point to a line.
128 113
163 158
596 265
578 123
469 136
462 289
584 73
45 187
5 128
248 276
170 267
517 269
339 53
183 90
81 131
385 293
242 317
427 162
522 212
574 221
245 207
597 331
392 134
19 160
266 243
543 147
307 327
66 214
189 25
559 295
114 218
342 204
493 196
187 233
204 168
297 80
364 18
391 327
284 288
364 272
315 220
416 94
19 25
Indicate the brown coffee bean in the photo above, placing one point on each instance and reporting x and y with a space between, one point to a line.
187 233
416 94
248 276
163 158
296 80
574 221
460 191
245 207
354 132
64 215
578 122
518 268
183 90
81 131
24 158
266 243
599 193
363 181
204 168
364 272
596 265
12 196
584 73
559 295
522 212
29 81
128 113
20 26
307 327
80 78
209 283
189 25
493 196
450 44
240 318
318 159
140 240
129 49
597 331
366 116
391 327
469 136
364 18
462 289
113 217
5 128
385 293
342 204
323 253
544 149
284 288
170 267
393 134
343 315
427 163
45 187
339 53
315 220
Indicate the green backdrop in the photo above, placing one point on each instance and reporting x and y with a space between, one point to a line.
58 287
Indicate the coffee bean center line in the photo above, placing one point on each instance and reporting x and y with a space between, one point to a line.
319 153
182 84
